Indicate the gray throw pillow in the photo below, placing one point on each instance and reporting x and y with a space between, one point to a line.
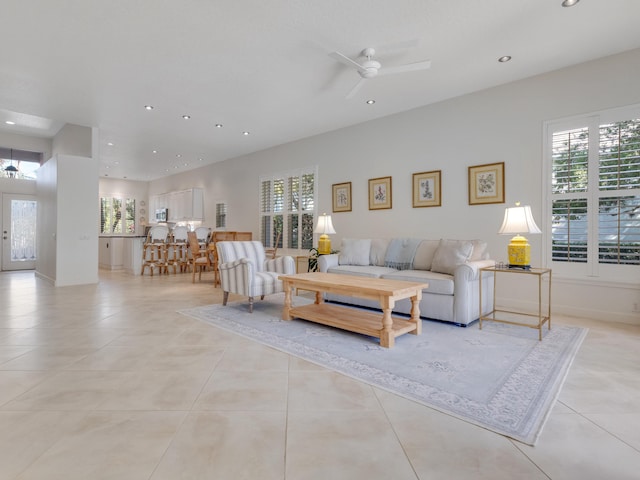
450 254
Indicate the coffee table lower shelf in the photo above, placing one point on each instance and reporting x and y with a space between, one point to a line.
358 321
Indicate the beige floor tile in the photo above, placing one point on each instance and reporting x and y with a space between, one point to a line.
167 358
601 392
14 384
253 357
108 445
62 337
323 390
440 446
344 445
572 447
244 391
47 358
25 436
113 390
226 445
8 353
625 426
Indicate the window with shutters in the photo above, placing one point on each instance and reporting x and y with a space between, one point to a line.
117 216
594 193
221 215
288 209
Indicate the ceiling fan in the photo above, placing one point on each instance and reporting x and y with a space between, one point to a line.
371 68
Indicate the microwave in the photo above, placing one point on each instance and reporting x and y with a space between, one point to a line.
162 214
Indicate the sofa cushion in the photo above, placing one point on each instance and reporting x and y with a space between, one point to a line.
354 251
378 251
439 283
424 254
371 271
479 251
450 254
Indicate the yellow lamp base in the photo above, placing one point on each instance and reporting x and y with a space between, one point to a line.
324 244
519 253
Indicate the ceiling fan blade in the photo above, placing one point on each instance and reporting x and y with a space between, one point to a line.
355 88
409 67
346 60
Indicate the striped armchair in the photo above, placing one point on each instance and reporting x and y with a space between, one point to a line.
244 270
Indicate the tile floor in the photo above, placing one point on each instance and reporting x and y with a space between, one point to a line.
108 381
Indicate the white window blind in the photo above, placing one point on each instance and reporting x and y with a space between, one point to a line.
117 216
595 192
288 209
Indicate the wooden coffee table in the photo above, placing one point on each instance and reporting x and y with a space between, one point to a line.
387 292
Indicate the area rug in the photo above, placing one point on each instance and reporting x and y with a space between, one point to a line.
500 378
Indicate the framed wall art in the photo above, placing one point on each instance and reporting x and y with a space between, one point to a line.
379 193
426 189
342 197
486 184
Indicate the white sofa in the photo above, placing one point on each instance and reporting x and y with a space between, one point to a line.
450 267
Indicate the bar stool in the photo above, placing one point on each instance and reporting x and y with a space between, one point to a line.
177 255
155 249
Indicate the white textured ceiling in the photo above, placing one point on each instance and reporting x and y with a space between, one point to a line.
262 66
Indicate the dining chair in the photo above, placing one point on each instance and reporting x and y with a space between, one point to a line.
199 257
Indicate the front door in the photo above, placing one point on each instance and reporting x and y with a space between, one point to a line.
19 231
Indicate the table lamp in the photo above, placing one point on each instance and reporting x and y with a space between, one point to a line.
324 228
519 220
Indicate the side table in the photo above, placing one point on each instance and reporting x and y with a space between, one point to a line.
541 317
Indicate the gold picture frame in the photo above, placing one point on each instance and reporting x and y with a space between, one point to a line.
486 184
341 197
426 189
379 193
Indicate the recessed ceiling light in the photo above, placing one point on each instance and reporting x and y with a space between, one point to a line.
148 107
110 144
176 167
505 58
201 159
186 164
186 117
370 102
178 155
116 162
245 133
9 122
569 3
154 151
218 125
107 167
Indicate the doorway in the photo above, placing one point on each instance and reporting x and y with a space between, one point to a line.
19 215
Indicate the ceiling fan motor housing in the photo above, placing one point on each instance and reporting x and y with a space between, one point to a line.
370 69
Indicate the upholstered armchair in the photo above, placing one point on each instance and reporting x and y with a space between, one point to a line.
244 270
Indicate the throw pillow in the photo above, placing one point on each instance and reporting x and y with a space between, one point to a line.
479 250
450 254
354 251
378 250
424 254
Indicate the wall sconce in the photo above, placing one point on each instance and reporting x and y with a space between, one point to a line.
324 228
518 220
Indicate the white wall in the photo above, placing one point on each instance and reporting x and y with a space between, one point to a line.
25 142
73 140
502 124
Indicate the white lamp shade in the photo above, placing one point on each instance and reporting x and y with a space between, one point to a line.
324 226
518 220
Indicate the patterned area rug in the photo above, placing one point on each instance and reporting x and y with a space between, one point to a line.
500 378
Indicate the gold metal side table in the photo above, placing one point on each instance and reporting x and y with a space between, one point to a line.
542 317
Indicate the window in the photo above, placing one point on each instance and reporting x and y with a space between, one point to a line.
288 209
26 163
117 216
221 215
594 195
